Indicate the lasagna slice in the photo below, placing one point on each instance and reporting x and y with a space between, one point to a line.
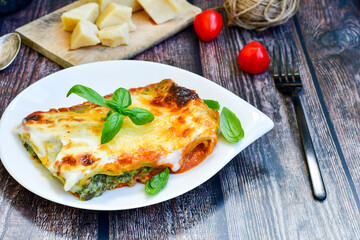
67 140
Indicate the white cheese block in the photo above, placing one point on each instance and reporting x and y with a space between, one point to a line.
115 36
84 34
129 3
89 11
115 14
160 10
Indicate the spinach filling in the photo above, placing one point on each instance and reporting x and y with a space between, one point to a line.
101 182
30 150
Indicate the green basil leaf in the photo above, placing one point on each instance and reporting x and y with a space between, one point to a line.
122 96
138 116
212 104
126 112
157 182
111 127
113 105
87 93
230 126
107 115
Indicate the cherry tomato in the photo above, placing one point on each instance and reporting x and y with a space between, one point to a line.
208 25
253 58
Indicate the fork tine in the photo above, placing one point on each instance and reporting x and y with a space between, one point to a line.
275 64
288 71
276 74
295 69
280 65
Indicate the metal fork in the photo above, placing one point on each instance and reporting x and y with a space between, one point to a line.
287 80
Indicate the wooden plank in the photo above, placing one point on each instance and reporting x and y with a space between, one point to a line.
193 215
264 191
266 188
23 214
46 36
332 44
197 214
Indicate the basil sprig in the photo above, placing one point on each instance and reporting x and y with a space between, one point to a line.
212 104
111 127
122 96
157 182
121 99
88 94
138 116
230 125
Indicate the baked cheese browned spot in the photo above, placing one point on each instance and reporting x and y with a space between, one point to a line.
67 140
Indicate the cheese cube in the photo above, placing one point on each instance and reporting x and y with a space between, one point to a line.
115 36
89 11
160 10
129 3
84 34
115 14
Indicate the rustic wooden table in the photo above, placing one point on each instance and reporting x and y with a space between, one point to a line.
264 192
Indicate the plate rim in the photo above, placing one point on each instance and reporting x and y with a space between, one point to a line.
78 204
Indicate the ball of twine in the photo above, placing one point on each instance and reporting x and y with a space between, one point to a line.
260 14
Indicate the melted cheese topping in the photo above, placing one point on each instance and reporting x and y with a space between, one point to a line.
67 141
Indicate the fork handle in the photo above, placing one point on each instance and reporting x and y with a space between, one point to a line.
316 180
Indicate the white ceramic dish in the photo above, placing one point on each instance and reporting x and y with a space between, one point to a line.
105 77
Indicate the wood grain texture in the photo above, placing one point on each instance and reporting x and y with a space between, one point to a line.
264 192
332 40
46 35
266 189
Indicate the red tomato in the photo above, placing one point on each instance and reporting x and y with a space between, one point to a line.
253 58
208 25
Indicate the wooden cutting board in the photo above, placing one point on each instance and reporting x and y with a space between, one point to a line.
46 36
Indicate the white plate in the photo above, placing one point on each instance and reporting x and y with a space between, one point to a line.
105 77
